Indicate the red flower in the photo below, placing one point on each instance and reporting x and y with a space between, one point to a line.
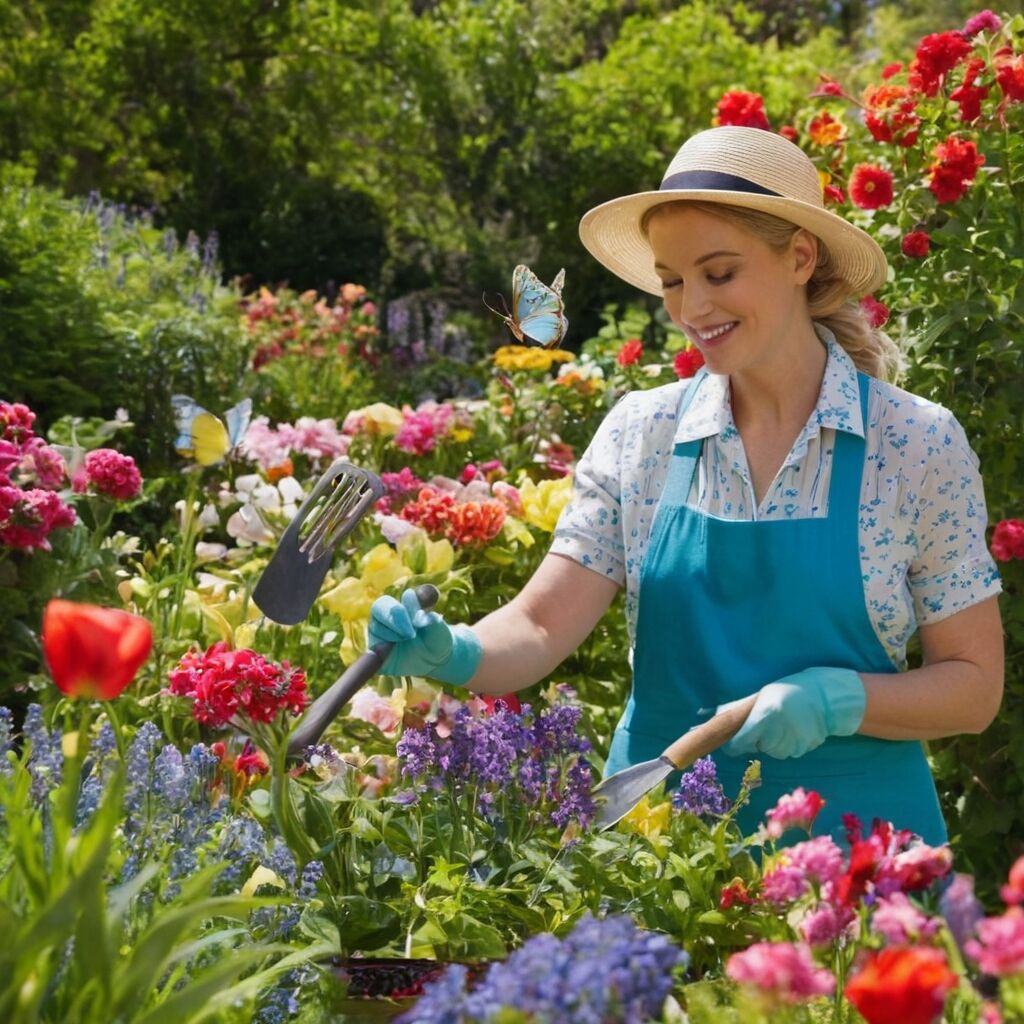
890 115
825 130
891 69
16 423
956 164
967 94
1010 76
631 352
834 194
506 701
223 683
877 312
870 186
734 893
936 55
687 362
787 131
745 109
916 244
827 86
468 522
27 517
902 986
93 652
1013 892
1008 540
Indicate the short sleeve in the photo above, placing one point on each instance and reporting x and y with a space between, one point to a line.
590 528
952 568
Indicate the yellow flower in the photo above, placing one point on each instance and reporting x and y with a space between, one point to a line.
460 434
423 555
380 418
647 820
382 567
523 357
543 502
349 600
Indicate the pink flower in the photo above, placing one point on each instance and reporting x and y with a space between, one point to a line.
41 465
16 423
827 87
900 922
916 244
422 428
990 1014
319 439
783 885
27 517
781 970
820 858
915 869
264 445
112 474
794 810
509 496
369 706
1008 540
999 948
983 21
1013 892
825 923
877 312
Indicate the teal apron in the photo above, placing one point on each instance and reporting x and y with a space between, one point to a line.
726 606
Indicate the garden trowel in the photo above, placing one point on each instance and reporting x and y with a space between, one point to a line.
323 710
291 581
617 795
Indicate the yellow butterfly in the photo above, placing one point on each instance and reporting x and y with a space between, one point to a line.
203 436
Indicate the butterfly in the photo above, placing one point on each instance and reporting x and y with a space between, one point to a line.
203 436
538 314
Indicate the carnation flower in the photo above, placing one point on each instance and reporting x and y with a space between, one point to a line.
1008 540
954 169
902 986
916 244
999 948
870 186
915 869
111 474
745 109
222 683
41 465
936 55
782 971
794 810
877 312
826 923
16 423
631 352
687 362
968 95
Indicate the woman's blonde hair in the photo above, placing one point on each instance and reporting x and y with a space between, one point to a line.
830 300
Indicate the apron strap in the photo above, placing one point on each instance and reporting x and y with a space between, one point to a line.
685 454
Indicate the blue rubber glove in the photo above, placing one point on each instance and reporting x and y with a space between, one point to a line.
798 713
425 645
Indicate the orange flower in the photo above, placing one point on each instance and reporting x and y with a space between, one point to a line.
905 985
93 652
825 130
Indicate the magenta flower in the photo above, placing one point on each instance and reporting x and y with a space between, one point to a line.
999 948
111 474
794 810
783 885
820 858
27 517
422 428
825 923
983 21
783 971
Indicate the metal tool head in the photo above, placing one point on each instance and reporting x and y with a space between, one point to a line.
293 577
617 795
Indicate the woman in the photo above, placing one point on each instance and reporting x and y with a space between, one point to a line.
782 523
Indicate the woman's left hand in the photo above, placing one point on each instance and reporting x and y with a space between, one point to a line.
795 714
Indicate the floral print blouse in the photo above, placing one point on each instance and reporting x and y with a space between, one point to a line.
922 507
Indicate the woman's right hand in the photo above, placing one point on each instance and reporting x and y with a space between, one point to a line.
424 644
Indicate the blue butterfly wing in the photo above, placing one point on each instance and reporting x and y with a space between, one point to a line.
185 411
237 419
537 307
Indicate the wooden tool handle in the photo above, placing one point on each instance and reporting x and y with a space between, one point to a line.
710 735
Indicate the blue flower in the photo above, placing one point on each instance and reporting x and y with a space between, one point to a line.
700 792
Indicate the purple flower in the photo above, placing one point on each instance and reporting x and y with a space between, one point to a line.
700 792
961 908
983 21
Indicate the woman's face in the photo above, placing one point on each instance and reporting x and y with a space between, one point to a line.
741 303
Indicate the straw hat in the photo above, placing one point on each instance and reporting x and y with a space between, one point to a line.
747 167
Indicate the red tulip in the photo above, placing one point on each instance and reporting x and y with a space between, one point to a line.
93 652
